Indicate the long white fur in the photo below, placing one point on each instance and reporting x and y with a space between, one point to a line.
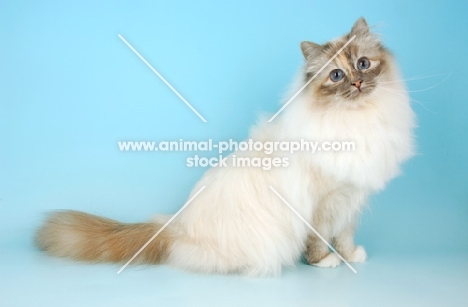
238 225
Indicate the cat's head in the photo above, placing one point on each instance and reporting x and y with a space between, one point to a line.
354 74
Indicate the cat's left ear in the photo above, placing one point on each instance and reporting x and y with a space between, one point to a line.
360 27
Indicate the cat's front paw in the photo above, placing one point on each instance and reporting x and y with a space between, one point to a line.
329 261
358 255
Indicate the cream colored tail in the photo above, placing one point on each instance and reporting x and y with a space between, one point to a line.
87 237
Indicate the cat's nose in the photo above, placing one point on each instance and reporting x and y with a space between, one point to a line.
357 83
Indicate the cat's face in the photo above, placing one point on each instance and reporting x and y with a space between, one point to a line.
354 74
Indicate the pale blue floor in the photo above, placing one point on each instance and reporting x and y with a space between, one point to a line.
30 278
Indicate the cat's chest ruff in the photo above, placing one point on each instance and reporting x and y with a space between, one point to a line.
370 158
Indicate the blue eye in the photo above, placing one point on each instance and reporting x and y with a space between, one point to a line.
363 63
336 75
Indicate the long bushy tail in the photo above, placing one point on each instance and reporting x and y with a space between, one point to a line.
87 237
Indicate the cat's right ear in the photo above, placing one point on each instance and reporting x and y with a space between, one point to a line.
310 49
360 27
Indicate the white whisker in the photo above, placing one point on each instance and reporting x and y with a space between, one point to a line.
401 94
425 89
435 85
414 78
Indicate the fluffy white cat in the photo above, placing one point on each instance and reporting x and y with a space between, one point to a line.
237 224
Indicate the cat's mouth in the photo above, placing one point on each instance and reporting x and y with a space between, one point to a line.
358 92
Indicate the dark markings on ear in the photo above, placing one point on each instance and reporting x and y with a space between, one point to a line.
310 49
366 44
359 28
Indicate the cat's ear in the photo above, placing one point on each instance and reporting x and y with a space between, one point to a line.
310 50
360 27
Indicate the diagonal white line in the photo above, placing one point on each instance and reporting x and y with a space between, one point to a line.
162 78
162 228
312 228
310 80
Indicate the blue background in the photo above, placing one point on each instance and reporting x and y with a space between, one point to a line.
70 89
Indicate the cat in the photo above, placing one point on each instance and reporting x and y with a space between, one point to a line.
237 224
